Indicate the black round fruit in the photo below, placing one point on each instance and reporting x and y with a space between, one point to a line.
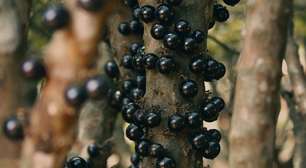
150 61
138 62
197 66
111 69
166 65
220 13
152 119
136 27
13 129
231 2
143 148
96 87
134 132
33 69
190 45
127 61
141 82
157 150
193 120
77 162
135 159
189 88
56 17
211 24
209 112
174 2
75 95
139 118
137 13
124 28
165 163
218 102
128 85
128 112
212 151
172 41
147 13
182 27
214 135
90 5
176 123
164 14
93 151
158 31
135 47
220 72
137 93
200 142
115 98
198 35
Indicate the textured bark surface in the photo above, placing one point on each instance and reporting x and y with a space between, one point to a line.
70 58
163 90
13 30
257 89
298 85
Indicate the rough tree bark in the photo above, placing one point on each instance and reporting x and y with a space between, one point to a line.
69 59
298 85
162 90
14 15
256 104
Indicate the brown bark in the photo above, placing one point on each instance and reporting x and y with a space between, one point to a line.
13 33
162 90
69 58
257 89
298 85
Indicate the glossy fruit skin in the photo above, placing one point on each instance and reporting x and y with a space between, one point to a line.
13 129
165 162
134 132
200 142
128 85
166 65
152 119
147 13
96 87
213 70
139 118
158 31
174 2
75 95
182 27
111 69
135 159
90 5
172 41
231 2
190 45
136 27
218 102
197 66
115 98
128 112
157 150
164 14
124 28
137 13
150 60
209 112
198 36
220 13
143 147
176 123
141 82
93 151
56 17
33 69
135 47
137 93
193 120
189 88
220 72
214 135
138 62
127 100
130 3
77 162
127 61
212 151
211 24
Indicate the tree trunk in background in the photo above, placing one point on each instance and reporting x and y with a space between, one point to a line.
13 30
257 89
163 90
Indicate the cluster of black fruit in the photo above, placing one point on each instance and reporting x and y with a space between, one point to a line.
130 91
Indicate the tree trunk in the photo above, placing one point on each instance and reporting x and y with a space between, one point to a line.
163 90
13 42
257 89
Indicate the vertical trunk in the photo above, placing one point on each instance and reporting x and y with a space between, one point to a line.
13 31
163 90
257 89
